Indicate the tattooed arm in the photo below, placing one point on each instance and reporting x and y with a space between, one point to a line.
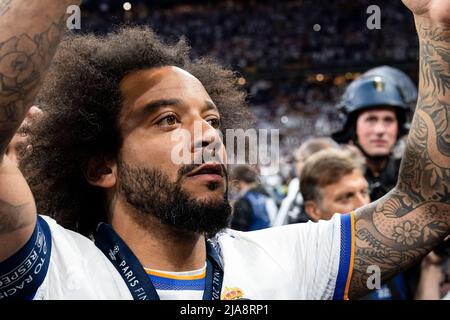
29 33
400 228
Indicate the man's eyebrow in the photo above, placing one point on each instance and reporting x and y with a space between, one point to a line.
154 105
210 106
342 194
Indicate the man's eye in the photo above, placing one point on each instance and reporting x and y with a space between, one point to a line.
169 120
215 123
345 198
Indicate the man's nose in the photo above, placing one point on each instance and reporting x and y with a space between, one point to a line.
379 128
203 135
206 142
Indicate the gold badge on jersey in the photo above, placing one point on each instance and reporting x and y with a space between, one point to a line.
232 294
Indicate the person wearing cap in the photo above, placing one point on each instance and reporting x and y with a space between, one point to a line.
374 111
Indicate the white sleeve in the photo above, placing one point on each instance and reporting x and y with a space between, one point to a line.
329 257
317 257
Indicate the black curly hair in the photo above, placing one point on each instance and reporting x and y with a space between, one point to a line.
81 101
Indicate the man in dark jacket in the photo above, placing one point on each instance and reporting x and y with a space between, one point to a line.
254 209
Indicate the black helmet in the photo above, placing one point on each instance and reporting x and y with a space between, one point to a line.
403 81
382 86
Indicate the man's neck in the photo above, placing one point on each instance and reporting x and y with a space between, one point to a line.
159 246
245 188
376 165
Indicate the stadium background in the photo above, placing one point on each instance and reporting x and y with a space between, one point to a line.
295 57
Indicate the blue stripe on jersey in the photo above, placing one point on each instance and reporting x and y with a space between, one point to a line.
162 283
23 273
345 255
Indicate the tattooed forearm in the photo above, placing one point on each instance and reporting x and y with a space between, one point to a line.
393 233
404 225
425 171
29 33
25 54
433 53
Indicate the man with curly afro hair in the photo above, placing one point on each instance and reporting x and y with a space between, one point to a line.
123 194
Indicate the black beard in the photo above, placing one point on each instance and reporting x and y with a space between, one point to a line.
150 192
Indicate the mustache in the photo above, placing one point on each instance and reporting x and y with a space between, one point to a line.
187 168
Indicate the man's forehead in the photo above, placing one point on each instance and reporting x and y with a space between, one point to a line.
353 181
380 110
158 82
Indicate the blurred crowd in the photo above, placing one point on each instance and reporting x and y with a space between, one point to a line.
268 35
295 57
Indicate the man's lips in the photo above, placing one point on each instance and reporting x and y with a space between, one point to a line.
379 141
208 172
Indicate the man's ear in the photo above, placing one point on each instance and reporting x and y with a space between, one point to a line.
312 210
101 172
235 185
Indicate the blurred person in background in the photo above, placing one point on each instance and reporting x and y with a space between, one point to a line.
254 209
332 181
374 111
291 207
434 282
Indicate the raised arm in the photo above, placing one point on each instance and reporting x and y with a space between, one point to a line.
30 30
400 228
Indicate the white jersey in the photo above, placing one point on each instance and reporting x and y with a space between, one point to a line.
299 261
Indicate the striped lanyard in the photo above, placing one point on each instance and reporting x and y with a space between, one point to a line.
134 275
